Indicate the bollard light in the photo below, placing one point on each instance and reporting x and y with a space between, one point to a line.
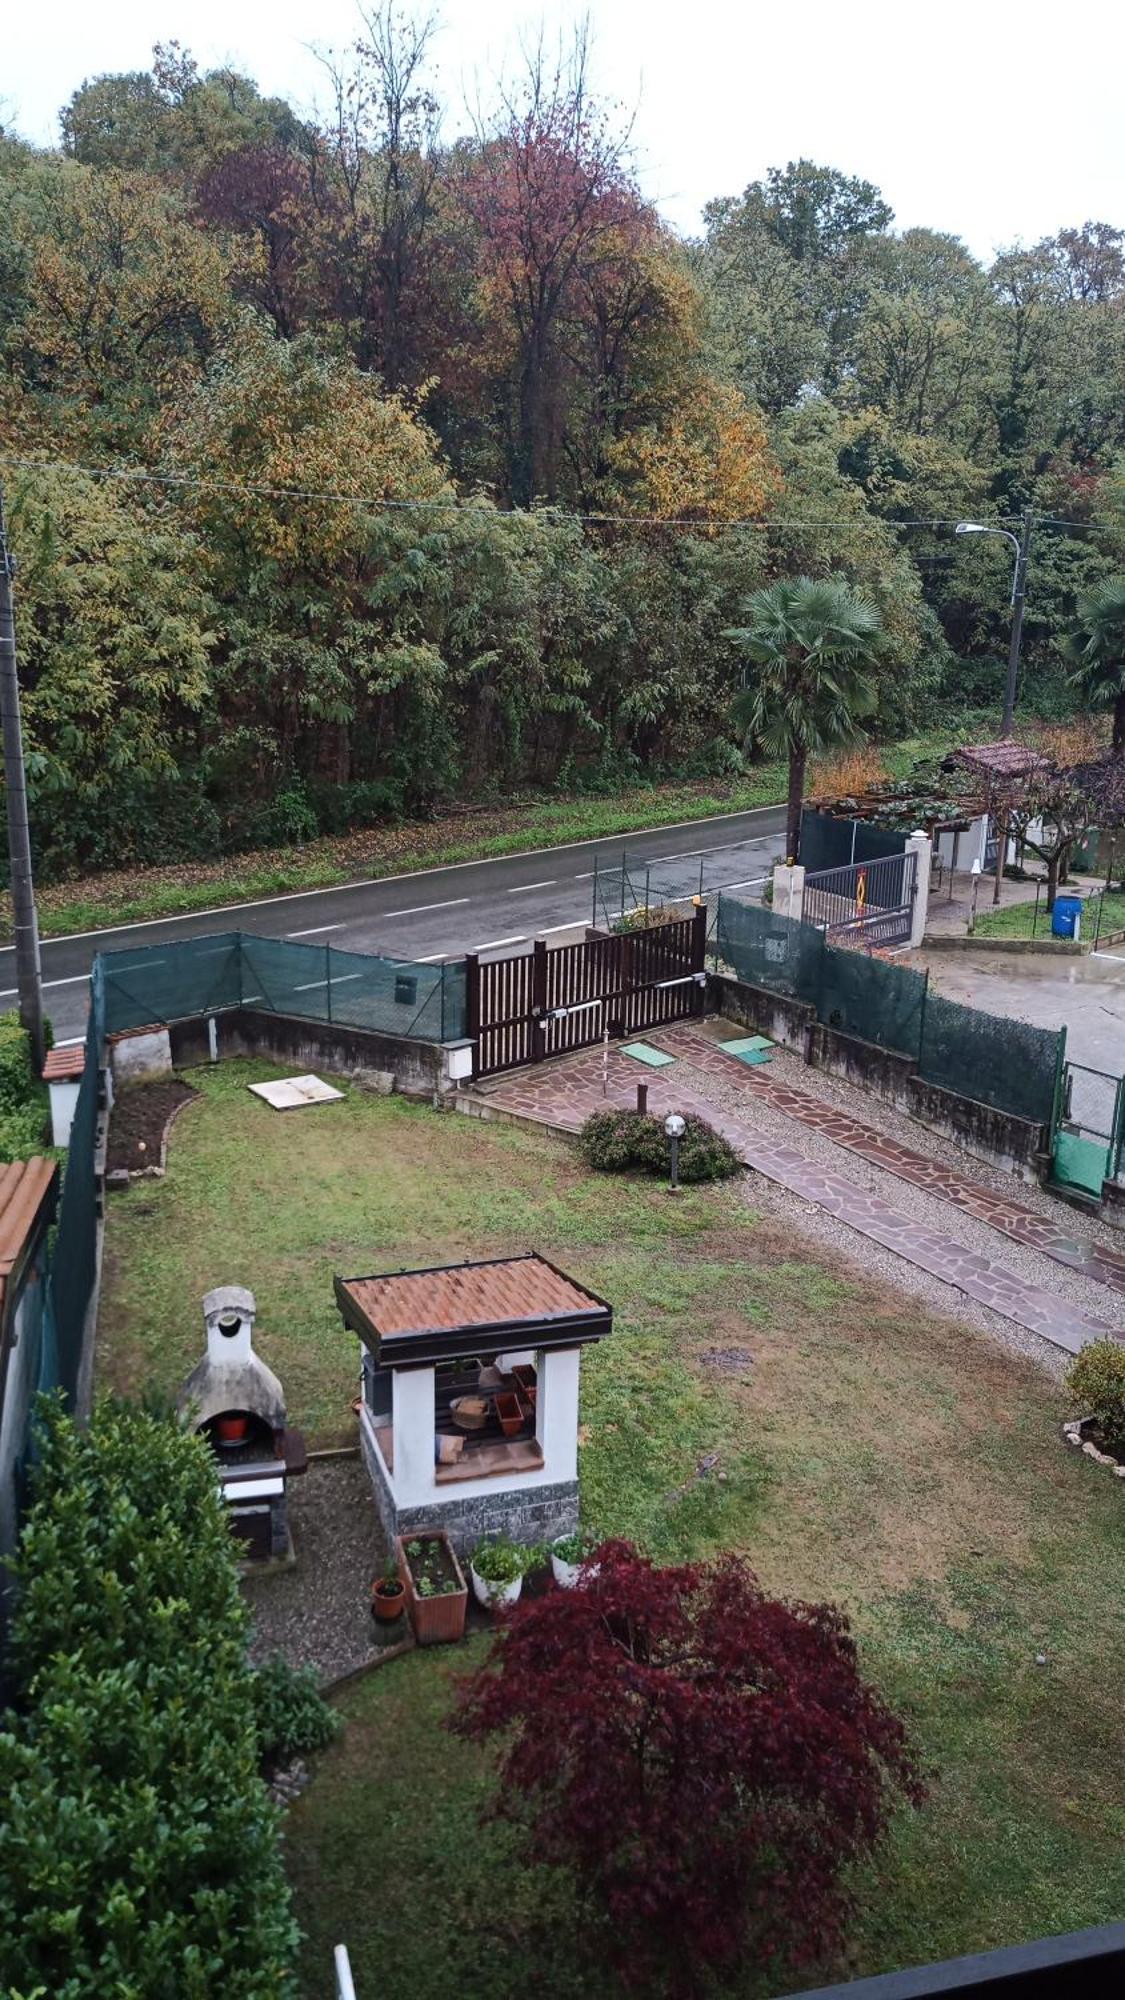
674 1132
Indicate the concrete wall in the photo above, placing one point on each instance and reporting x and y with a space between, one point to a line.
140 1055
999 1137
536 1514
377 1061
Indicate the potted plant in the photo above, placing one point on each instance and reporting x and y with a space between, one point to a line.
232 1428
509 1412
497 1571
436 1592
388 1595
570 1556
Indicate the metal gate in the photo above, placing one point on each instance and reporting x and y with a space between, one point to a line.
1086 1150
547 1002
867 903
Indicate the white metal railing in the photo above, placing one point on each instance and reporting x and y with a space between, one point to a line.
345 1985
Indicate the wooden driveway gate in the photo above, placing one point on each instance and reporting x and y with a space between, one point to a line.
547 1002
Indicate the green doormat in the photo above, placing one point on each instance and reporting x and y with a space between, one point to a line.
750 1048
655 1058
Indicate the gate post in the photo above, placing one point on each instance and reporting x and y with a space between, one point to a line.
920 846
538 1000
699 954
472 1006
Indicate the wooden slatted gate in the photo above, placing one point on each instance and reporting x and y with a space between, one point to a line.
547 1002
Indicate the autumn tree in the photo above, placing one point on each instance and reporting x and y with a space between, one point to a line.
707 1760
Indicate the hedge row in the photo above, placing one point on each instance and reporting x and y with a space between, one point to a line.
140 1851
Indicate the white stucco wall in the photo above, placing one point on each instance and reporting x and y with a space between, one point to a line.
20 1385
556 1423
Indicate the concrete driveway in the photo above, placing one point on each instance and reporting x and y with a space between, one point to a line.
1086 994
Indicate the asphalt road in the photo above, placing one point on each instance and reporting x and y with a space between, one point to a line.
494 905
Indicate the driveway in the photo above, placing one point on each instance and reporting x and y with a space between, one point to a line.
1086 995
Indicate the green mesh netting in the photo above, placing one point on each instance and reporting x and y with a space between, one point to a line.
880 1003
768 950
74 1256
170 982
1007 1064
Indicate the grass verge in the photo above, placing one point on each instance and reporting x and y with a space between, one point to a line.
1020 920
751 1397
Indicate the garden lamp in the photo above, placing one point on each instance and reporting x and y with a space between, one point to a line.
1021 544
674 1132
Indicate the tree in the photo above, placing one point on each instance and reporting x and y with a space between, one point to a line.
815 644
707 1760
1097 650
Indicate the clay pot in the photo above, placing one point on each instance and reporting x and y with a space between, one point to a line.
509 1412
388 1599
232 1429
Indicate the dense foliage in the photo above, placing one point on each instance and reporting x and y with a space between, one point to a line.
24 1126
494 332
708 1761
618 1141
1096 1381
140 1850
292 1715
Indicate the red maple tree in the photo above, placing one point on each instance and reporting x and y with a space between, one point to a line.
707 1760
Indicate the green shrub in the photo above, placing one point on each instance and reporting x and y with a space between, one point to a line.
140 1851
615 1141
292 1715
23 1095
1096 1380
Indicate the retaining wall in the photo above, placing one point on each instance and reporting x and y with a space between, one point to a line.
367 1057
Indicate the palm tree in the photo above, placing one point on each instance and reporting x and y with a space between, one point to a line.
815 644
1097 649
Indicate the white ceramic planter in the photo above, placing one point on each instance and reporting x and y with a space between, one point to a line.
493 1595
569 1575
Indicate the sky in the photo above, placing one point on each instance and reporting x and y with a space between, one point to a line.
985 118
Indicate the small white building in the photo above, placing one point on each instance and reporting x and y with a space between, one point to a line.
469 1412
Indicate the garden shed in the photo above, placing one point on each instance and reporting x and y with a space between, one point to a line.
469 1407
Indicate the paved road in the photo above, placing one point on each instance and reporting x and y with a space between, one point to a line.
434 912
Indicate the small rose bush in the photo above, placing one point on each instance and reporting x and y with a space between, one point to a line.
616 1142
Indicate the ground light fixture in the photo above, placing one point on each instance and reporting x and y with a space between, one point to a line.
674 1132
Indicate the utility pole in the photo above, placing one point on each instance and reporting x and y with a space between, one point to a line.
25 920
1019 590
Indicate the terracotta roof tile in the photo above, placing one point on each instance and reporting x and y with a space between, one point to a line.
466 1295
24 1188
67 1063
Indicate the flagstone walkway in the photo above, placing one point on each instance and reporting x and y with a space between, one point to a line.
562 1094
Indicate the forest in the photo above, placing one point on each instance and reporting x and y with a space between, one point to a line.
403 455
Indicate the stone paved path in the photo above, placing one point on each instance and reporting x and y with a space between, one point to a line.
562 1094
1000 1211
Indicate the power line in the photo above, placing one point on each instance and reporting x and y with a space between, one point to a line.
442 502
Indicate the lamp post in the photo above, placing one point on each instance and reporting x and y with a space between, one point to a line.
25 922
674 1132
976 873
1021 545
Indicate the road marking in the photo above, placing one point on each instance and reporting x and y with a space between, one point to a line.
752 883
407 875
315 930
311 986
434 959
76 979
337 980
142 964
550 929
587 878
495 943
525 887
418 909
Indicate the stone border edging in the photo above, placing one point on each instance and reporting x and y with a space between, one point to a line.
1017 946
1072 1432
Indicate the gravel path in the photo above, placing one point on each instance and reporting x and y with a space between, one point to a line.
317 1613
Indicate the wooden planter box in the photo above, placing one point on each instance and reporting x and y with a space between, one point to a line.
437 1621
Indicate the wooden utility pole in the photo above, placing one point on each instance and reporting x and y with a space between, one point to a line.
25 921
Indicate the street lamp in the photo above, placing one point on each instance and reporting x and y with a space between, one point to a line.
1021 544
674 1132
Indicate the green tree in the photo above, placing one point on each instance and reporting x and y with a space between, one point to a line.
815 644
1097 649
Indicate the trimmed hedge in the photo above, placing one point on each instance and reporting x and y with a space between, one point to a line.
1096 1380
617 1141
23 1094
140 1850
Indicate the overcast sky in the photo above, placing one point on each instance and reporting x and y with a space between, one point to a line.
995 120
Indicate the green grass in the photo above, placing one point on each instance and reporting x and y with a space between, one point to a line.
1018 920
866 1452
134 895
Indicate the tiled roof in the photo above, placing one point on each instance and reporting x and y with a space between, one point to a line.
24 1189
1004 759
454 1301
65 1064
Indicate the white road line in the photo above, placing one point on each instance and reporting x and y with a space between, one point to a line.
495 943
753 882
144 964
345 976
435 958
311 986
550 929
76 979
315 931
407 875
71 1042
526 887
418 909
589 877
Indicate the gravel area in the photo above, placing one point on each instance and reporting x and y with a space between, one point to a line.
317 1614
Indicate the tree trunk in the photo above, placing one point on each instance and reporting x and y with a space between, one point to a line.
1119 725
1052 881
797 760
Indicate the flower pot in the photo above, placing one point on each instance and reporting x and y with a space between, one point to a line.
526 1383
494 1596
566 1575
388 1599
440 1619
509 1413
231 1429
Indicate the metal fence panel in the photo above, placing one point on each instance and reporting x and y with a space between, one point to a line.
1007 1064
880 1003
769 950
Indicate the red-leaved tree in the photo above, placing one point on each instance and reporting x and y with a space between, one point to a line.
707 1760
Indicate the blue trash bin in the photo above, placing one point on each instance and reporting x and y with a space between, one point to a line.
1066 916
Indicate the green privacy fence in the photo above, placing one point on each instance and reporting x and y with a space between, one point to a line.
73 1272
1009 1065
314 982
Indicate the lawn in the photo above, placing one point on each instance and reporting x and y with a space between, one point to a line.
1019 920
859 1450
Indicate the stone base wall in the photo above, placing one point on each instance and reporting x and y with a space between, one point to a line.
374 1061
528 1514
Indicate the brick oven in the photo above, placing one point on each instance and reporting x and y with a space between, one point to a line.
237 1403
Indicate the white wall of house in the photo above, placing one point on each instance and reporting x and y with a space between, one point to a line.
64 1098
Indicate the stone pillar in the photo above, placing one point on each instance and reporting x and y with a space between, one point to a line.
414 1436
556 1412
919 843
789 890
